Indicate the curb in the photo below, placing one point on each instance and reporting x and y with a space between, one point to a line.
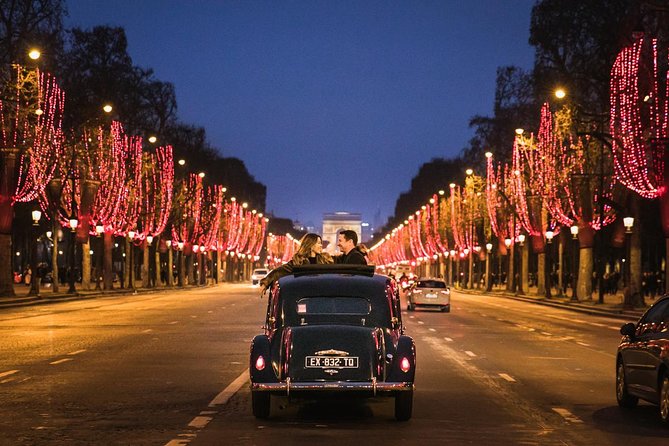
626 315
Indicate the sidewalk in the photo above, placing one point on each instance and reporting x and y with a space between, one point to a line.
612 306
46 296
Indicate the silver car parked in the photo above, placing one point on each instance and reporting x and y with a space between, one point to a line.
429 292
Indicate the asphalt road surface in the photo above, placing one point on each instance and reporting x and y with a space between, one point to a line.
171 369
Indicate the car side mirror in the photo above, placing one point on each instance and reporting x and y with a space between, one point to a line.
628 329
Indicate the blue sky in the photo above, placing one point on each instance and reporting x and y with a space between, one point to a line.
334 105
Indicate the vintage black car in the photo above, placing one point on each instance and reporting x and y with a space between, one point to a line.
642 365
333 329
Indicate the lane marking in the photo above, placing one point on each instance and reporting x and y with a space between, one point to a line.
233 388
209 311
174 322
432 329
199 422
531 329
148 330
60 361
8 380
564 413
472 354
177 443
76 352
614 328
546 333
448 339
583 344
421 322
193 316
507 377
7 373
596 324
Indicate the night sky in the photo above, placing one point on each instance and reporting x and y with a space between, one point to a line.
333 105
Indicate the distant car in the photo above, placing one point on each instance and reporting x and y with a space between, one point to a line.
428 292
332 330
258 275
642 364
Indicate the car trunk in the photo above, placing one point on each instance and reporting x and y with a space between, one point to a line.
334 353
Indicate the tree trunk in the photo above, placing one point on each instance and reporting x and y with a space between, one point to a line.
126 264
585 268
182 269
541 273
560 265
157 276
107 266
6 270
145 264
525 258
170 277
510 275
86 265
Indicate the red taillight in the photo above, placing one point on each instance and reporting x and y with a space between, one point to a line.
405 365
260 363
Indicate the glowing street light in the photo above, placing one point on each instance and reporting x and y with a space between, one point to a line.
560 93
152 139
519 131
107 108
34 54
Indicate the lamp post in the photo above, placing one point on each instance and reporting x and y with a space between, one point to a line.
548 269
507 243
519 288
488 282
35 280
452 269
99 230
73 252
628 222
182 265
131 269
574 275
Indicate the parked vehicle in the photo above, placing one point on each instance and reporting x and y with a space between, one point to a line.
642 364
329 330
429 292
258 274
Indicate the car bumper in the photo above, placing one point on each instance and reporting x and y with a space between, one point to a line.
371 387
442 302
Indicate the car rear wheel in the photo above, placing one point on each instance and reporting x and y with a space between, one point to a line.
664 399
404 405
260 402
624 399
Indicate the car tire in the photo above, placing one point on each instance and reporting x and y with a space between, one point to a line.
446 309
260 403
404 405
624 399
664 399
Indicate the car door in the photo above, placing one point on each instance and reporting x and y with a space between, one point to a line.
641 356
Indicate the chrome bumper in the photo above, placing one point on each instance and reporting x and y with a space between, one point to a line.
338 386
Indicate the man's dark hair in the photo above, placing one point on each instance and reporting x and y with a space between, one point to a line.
350 235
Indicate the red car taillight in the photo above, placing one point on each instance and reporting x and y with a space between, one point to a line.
260 363
405 365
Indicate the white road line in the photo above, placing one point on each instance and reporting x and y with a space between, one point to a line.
583 344
7 380
614 328
507 377
448 339
472 354
531 329
209 311
233 388
193 316
148 330
546 333
596 324
7 373
432 329
177 443
421 322
564 413
76 352
199 422
60 361
174 322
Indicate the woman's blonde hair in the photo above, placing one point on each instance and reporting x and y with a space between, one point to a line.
304 252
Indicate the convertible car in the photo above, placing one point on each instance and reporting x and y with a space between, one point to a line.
333 329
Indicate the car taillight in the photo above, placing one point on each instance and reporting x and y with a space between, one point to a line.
445 292
260 363
405 365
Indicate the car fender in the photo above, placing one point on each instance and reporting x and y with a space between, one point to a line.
406 348
261 346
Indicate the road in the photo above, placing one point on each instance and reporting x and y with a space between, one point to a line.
169 369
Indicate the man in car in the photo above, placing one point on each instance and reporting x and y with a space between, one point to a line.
347 241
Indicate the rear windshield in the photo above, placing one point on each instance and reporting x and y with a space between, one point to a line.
260 271
431 284
344 306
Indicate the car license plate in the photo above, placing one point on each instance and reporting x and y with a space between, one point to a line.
322 362
430 295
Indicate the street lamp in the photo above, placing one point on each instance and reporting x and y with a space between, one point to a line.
107 108
34 54
488 282
628 222
548 269
574 236
507 243
521 242
36 214
560 93
131 269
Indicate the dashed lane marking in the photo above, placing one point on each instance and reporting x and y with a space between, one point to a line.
7 373
174 322
614 328
472 354
448 339
564 413
583 344
199 422
8 380
421 322
596 324
233 388
432 329
507 377
148 330
76 352
60 361
545 333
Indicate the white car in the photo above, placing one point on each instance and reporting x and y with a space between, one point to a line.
428 292
258 275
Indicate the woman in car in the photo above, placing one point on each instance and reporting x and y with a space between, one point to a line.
310 252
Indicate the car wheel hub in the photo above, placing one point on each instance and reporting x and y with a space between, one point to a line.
620 381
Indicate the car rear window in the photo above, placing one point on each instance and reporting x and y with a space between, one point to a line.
335 306
431 284
260 271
